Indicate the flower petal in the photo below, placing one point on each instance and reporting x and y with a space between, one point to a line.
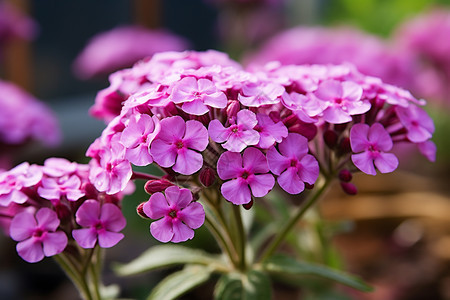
309 171
295 145
157 206
217 131
88 213
85 237
378 134
290 182
30 250
261 184
254 160
188 162
181 232
358 137
196 136
164 154
386 162
107 239
364 162
229 165
22 226
236 191
178 197
172 128
47 218
277 162
162 229
54 243
112 217
193 215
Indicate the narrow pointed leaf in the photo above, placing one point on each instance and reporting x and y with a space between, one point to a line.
284 265
181 282
254 285
166 256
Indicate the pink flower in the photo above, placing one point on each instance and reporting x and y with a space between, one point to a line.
269 131
101 224
12 182
306 108
195 94
294 165
238 135
55 188
178 143
112 172
58 167
137 136
178 215
37 235
341 100
417 122
257 94
247 173
370 143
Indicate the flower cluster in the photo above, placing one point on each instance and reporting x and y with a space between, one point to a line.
320 45
278 124
115 49
49 208
15 24
34 122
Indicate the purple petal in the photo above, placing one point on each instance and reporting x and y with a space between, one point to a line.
236 191
386 162
250 137
183 90
229 165
218 100
112 217
22 226
358 137
54 243
47 219
364 162
30 250
88 213
277 162
428 149
193 215
255 161
107 239
180 198
378 134
351 91
181 232
196 136
172 128
309 171
195 107
261 184
85 237
418 134
217 131
335 115
162 229
247 118
139 156
157 207
236 143
163 153
188 162
295 145
329 90
290 182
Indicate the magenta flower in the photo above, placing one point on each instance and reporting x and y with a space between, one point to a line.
58 167
12 182
237 136
197 94
269 131
101 224
178 143
255 95
370 144
293 164
137 136
417 122
248 175
37 234
178 215
55 188
341 100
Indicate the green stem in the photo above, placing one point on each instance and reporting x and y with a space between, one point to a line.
224 245
242 240
95 269
75 275
273 246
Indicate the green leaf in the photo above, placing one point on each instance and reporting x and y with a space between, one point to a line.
168 255
286 265
254 285
181 282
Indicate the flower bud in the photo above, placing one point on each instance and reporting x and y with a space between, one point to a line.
140 211
349 188
330 137
309 131
233 107
344 146
154 186
309 186
345 175
62 211
249 205
207 176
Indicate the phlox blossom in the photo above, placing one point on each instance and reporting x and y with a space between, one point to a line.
178 215
37 234
341 100
293 164
101 223
248 174
12 182
417 122
237 136
178 144
55 188
197 94
269 131
370 143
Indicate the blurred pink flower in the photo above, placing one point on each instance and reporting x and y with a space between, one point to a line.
15 24
315 45
427 37
121 47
